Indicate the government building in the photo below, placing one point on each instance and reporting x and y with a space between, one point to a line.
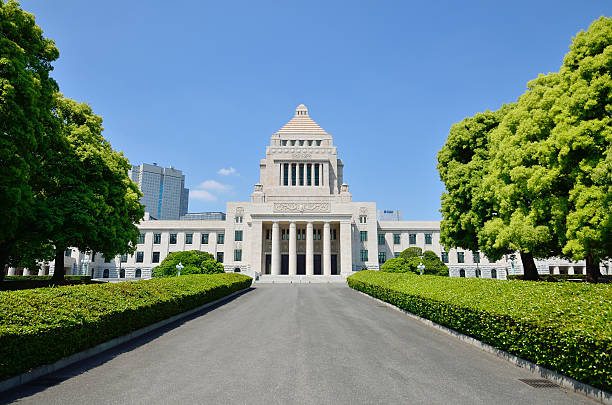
301 225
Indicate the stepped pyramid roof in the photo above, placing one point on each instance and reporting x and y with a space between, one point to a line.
301 123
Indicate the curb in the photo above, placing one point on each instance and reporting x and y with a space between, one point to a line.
566 382
87 353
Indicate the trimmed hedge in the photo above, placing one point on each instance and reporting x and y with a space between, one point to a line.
566 327
561 277
40 278
41 326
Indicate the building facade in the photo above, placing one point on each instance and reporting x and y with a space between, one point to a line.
163 189
301 222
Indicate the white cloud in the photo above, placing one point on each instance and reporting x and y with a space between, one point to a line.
214 186
227 172
202 195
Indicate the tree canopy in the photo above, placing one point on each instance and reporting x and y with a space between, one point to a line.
195 262
409 260
536 175
26 100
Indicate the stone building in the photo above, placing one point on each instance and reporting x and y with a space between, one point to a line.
301 224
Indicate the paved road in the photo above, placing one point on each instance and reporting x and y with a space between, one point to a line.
303 344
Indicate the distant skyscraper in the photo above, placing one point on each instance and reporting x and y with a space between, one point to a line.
163 189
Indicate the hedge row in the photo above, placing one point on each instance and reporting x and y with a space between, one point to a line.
561 277
41 326
565 327
38 278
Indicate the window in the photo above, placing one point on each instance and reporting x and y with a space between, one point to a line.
316 174
220 257
283 143
301 143
396 238
238 236
267 234
122 273
318 143
333 234
156 238
363 236
285 174
123 258
155 257
381 239
428 239
141 238
189 238
239 219
139 257
382 257
173 239
477 272
364 255
68 252
461 273
105 273
138 273
412 238
205 239
476 257
283 237
363 219
293 174
220 238
309 173
301 174
493 273
444 257
397 254
238 255
460 258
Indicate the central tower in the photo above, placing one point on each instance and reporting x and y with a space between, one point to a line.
301 163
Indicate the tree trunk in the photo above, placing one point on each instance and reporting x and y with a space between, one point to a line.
592 269
530 271
59 272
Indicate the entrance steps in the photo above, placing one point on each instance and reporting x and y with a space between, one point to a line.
285 279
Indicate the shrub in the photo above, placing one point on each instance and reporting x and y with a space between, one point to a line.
195 262
411 252
412 257
40 278
46 324
395 265
562 326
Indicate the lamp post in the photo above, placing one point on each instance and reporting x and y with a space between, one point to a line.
85 263
512 264
421 267
179 267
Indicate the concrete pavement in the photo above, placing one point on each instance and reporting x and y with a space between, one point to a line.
293 343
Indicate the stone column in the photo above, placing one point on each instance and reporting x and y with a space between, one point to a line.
309 250
326 250
346 248
26 271
556 270
41 271
276 255
570 270
11 271
292 249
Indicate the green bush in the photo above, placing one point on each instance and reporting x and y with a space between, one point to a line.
41 326
195 262
411 252
395 265
561 277
565 327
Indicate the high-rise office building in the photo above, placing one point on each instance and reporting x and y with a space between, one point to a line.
163 189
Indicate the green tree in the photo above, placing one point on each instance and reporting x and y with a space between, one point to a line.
26 99
411 252
195 262
433 264
89 201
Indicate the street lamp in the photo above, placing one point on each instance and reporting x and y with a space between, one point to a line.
179 267
512 264
421 267
85 263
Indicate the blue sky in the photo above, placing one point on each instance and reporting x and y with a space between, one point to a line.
203 85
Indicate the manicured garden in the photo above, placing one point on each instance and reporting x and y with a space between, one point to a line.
42 325
566 327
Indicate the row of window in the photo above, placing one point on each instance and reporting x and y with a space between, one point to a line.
137 273
397 238
300 142
302 174
155 259
478 273
301 234
461 257
188 238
